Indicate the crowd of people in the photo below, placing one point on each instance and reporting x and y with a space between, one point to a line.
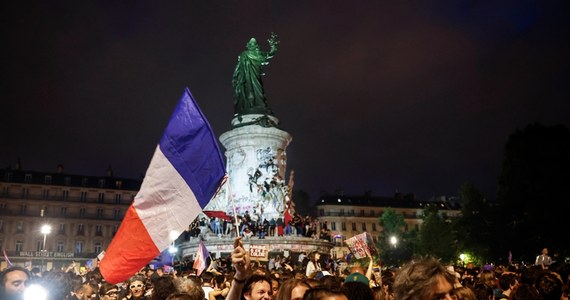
309 278
254 225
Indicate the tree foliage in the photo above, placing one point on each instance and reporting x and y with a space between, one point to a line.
533 191
393 226
436 236
474 228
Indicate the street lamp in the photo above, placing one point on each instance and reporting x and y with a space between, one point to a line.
172 249
393 241
45 230
462 257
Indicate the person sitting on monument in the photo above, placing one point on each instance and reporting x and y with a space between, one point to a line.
260 230
247 233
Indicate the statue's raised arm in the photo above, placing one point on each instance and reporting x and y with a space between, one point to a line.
249 94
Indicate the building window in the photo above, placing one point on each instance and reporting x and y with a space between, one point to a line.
83 196
28 178
63 212
115 229
84 181
406 227
81 229
343 226
67 180
98 247
353 226
19 245
118 184
362 212
64 195
39 245
79 247
25 193
373 226
99 213
333 225
117 198
116 214
47 179
101 183
352 212
321 212
23 209
363 226
98 230
82 212
20 227
61 228
60 246
8 176
45 194
1 226
101 198
341 212
372 213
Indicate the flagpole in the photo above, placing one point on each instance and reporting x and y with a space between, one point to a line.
233 207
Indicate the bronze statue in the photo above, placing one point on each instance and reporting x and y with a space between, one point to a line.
249 95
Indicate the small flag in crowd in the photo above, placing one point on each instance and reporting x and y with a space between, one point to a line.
201 258
6 258
184 174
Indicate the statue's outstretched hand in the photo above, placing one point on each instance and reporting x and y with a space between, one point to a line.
273 40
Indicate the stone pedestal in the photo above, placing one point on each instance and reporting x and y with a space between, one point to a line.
223 246
256 166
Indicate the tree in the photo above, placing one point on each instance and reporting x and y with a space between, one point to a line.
474 227
533 191
392 227
436 236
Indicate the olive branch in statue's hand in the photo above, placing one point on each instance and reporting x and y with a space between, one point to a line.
273 40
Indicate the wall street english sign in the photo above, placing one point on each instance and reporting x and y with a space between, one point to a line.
46 254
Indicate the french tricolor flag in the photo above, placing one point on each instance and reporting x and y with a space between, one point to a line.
184 174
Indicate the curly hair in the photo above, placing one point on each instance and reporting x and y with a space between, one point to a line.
416 279
163 286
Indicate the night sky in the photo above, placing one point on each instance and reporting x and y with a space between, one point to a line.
409 96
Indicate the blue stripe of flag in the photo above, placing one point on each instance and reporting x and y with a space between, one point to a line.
191 147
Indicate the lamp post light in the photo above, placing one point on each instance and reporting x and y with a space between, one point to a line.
45 230
462 257
172 249
393 241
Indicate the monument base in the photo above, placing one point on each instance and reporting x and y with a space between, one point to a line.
282 245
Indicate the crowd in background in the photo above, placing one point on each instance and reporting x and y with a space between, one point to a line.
308 277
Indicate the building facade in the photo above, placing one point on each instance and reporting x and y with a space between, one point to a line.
347 216
82 212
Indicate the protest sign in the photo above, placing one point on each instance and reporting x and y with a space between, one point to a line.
361 244
258 252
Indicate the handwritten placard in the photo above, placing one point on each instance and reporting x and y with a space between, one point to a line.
361 244
258 252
